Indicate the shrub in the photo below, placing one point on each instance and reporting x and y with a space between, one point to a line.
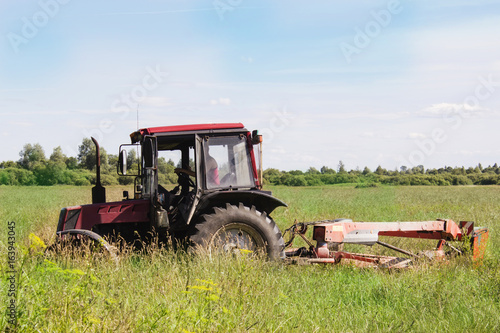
16 176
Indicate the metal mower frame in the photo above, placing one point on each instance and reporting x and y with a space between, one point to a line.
331 235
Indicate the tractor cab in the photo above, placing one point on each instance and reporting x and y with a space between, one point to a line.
218 164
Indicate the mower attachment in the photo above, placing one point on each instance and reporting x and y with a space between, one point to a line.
331 235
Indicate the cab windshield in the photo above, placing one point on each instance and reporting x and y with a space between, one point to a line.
228 162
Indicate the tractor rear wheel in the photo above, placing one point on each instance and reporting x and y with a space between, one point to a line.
237 229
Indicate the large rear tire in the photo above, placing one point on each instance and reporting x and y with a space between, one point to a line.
238 229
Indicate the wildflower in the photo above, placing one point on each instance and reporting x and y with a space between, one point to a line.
202 288
36 244
212 297
207 282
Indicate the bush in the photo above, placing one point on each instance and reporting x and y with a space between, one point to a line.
298 181
461 180
313 180
489 179
16 176
127 180
81 182
108 180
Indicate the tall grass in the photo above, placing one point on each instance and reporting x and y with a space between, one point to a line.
160 290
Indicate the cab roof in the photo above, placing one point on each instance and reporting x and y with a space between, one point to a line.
185 129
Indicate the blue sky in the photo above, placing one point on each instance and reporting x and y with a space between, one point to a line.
370 83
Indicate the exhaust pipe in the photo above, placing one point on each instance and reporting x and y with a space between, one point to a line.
98 191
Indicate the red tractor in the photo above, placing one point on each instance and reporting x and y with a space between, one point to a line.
218 203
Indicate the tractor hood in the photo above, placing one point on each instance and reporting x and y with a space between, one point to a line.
86 216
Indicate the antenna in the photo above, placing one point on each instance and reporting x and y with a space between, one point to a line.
138 129
137 116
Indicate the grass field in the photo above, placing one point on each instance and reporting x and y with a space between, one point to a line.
165 291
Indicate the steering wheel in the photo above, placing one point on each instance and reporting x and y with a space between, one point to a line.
185 174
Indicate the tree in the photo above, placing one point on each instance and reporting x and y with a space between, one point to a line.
312 171
380 171
163 166
49 174
341 167
87 155
31 155
57 155
132 158
419 169
366 171
8 164
326 170
71 163
191 164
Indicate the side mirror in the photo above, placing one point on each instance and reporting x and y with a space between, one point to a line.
127 161
122 162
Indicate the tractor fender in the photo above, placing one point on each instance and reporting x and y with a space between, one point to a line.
263 201
92 235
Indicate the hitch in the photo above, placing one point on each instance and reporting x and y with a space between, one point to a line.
331 235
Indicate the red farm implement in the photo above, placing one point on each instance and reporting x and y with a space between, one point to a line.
331 235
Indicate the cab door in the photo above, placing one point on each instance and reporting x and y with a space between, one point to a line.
149 167
159 216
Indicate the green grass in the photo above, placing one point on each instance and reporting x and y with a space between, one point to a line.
165 291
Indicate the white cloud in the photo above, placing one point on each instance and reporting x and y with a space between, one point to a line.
368 134
278 150
21 124
416 136
221 101
247 59
368 115
92 111
443 109
379 135
156 101
476 152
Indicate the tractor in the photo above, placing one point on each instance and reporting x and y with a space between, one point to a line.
218 202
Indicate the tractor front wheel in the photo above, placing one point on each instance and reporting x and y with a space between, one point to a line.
237 229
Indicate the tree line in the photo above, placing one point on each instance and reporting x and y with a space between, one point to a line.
34 168
404 176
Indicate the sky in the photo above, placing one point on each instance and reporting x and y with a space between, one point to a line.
368 83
